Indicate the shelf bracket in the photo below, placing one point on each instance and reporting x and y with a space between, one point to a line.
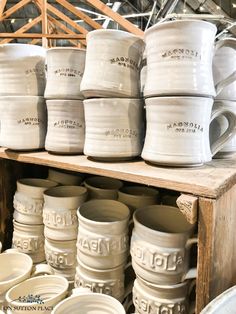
188 205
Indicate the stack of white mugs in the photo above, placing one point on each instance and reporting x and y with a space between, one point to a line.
22 84
113 108
179 92
66 127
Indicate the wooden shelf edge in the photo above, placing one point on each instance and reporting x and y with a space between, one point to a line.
208 181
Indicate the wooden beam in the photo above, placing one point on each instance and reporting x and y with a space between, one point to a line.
79 14
43 7
34 41
2 6
36 35
116 17
65 18
22 30
13 9
64 28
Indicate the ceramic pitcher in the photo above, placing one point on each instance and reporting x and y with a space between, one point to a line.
179 59
114 128
224 65
22 117
65 68
22 70
112 64
178 130
66 127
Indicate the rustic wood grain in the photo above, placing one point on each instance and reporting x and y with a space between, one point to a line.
188 205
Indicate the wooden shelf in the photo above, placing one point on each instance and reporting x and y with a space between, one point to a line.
210 180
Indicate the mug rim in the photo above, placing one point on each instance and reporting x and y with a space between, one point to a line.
36 183
76 191
112 181
153 192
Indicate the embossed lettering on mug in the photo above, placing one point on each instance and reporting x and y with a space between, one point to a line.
30 244
58 219
25 204
60 259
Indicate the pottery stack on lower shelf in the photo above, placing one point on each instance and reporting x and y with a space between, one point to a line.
65 132
113 108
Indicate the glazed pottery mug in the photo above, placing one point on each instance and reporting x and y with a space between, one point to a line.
28 200
102 187
66 126
23 117
179 59
89 303
178 130
37 295
64 177
107 281
160 245
29 239
114 128
65 68
224 66
15 268
102 238
152 298
220 125
112 64
22 70
59 211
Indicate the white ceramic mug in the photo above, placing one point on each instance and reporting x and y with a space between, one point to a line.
106 281
88 303
64 177
160 245
219 126
65 68
224 66
59 211
37 295
22 70
29 239
28 200
112 64
102 187
102 238
66 126
151 298
178 130
22 117
114 128
179 59
15 268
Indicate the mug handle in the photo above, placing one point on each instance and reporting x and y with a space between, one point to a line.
231 43
192 272
41 269
230 131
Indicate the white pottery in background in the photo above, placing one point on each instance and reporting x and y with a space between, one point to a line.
224 64
106 281
220 125
66 126
151 298
102 187
89 303
112 64
28 200
23 122
160 245
65 68
50 289
59 212
60 254
114 128
178 130
64 177
29 239
22 70
179 58
102 238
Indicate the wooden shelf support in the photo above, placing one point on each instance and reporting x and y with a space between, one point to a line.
188 205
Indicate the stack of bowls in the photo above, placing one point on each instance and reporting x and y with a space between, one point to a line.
65 133
113 108
28 234
22 83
